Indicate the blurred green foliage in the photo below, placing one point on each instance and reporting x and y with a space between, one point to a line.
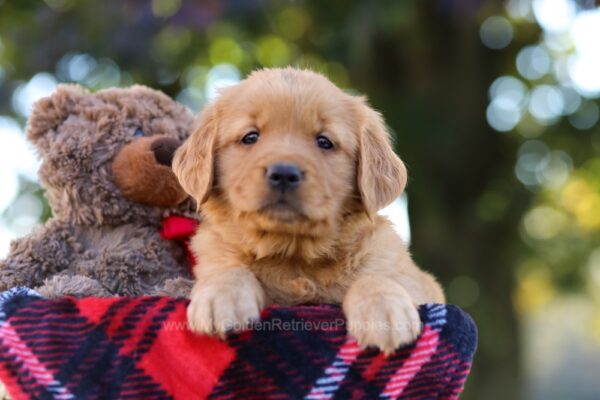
499 246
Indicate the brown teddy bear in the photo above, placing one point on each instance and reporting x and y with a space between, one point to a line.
106 168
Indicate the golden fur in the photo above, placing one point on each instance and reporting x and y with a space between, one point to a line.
326 244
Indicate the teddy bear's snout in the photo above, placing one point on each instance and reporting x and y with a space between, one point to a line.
164 150
142 170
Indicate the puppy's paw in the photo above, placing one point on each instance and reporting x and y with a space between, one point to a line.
382 319
224 304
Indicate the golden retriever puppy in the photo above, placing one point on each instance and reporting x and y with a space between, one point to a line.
289 172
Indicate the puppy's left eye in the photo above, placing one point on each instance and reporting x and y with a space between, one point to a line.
138 132
250 137
324 142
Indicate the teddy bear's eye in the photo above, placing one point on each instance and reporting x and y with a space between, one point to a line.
138 132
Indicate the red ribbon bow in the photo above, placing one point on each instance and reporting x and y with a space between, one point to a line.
176 227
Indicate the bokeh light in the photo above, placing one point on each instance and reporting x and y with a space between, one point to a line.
571 99
60 5
554 15
520 10
509 88
17 156
496 32
585 63
546 103
41 85
17 162
586 116
397 212
25 212
583 71
293 22
226 50
170 42
75 67
583 200
534 287
165 8
567 52
503 114
272 51
533 62
537 166
593 272
544 222
220 76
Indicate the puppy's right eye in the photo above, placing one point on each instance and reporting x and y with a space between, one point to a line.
250 137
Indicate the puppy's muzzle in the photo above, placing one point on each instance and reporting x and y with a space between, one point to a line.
284 176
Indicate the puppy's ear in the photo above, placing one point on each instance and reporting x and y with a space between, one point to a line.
193 162
381 174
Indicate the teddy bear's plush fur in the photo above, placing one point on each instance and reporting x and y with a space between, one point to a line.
106 171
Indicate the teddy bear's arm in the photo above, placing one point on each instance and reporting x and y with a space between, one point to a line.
48 250
66 284
132 260
177 287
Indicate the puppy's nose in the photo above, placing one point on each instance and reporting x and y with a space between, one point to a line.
282 176
164 150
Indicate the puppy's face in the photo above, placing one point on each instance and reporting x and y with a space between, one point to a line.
287 153
287 148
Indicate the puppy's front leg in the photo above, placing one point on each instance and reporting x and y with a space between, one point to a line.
223 300
381 313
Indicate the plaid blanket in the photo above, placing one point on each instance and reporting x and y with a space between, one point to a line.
129 348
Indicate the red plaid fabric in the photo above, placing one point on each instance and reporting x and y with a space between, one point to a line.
140 348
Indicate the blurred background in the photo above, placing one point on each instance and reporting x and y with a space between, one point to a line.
494 106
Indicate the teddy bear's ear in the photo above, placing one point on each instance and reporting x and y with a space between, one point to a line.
48 113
